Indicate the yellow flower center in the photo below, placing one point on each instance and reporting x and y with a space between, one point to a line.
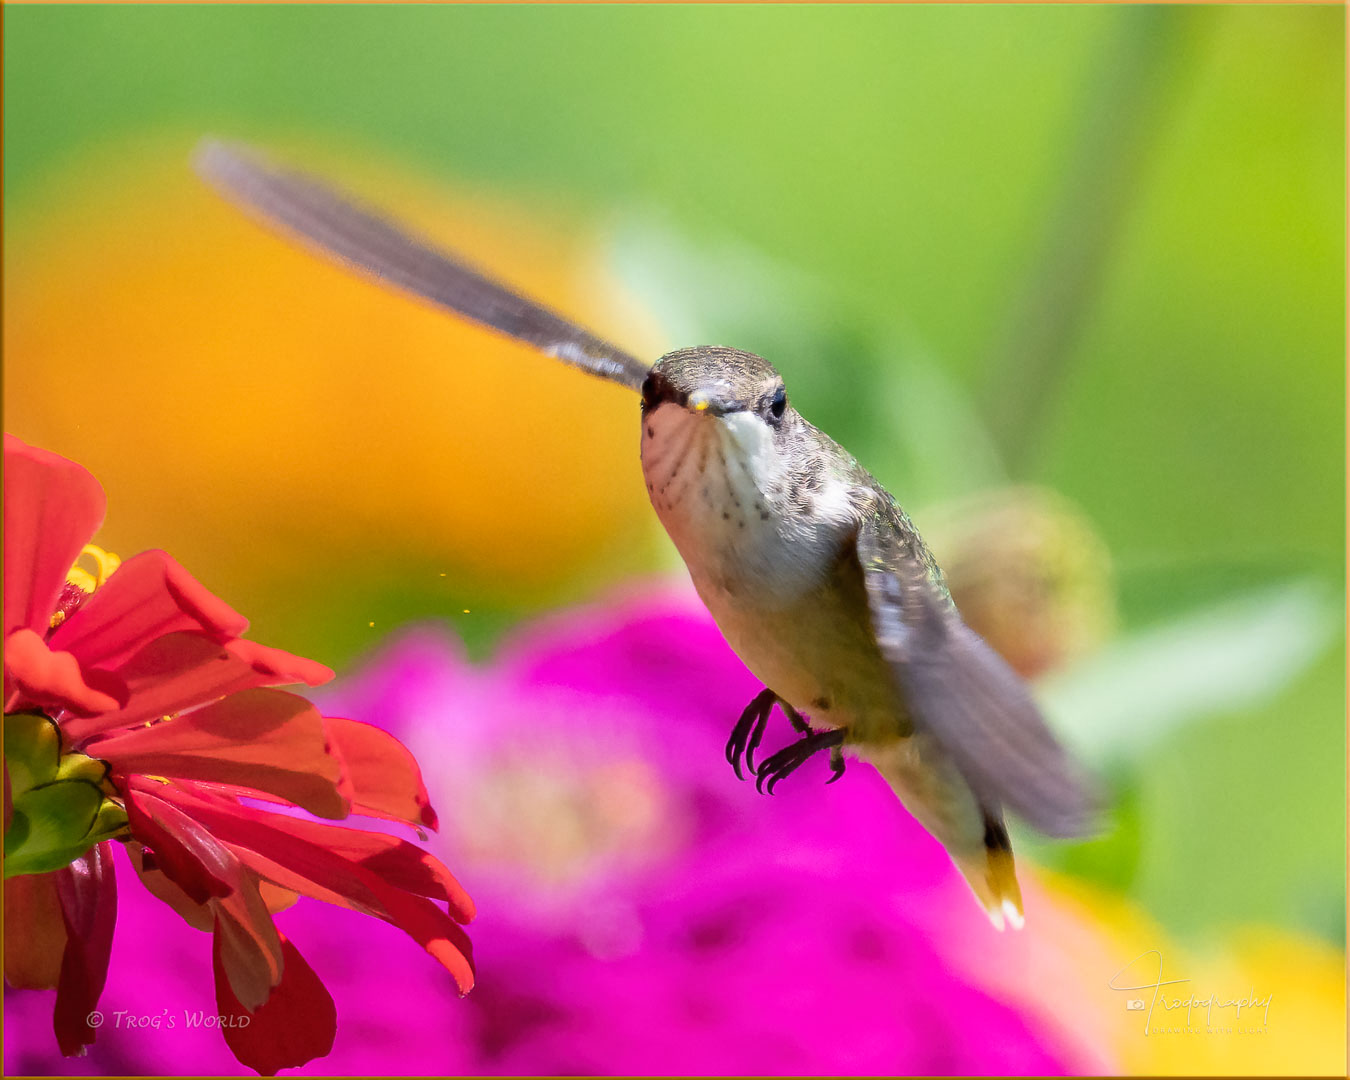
105 563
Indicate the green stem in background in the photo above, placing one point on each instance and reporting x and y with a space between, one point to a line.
1118 128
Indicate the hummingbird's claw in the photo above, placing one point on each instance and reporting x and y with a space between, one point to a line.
836 762
749 730
791 757
764 709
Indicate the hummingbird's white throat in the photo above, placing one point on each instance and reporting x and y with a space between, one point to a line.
699 462
718 484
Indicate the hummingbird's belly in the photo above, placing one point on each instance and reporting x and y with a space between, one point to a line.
777 583
817 651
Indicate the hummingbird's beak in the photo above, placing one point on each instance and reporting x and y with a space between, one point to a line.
701 401
657 390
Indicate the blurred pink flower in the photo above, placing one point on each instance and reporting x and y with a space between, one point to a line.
645 912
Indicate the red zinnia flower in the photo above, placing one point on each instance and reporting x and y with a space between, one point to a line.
147 673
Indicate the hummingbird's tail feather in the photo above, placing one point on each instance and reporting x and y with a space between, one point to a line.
992 876
927 782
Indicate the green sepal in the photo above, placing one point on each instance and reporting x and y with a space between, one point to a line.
58 807
32 750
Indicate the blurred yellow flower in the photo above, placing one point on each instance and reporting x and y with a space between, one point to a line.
280 419
1084 943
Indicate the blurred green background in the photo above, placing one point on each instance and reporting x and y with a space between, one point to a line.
1094 248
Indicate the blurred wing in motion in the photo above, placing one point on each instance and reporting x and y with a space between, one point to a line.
961 692
332 223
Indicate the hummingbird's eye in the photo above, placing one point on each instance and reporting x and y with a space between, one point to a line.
778 405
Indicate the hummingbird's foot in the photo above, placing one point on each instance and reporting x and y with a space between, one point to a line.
790 757
795 719
836 762
749 729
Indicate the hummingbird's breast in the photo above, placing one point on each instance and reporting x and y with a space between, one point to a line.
721 490
771 567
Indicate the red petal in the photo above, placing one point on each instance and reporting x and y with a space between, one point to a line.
53 507
309 858
149 596
88 892
48 680
209 872
266 740
185 669
401 864
275 897
396 861
184 849
338 881
249 944
295 1025
35 932
379 775
278 667
198 916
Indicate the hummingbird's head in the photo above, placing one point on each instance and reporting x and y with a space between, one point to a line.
720 415
718 382
748 490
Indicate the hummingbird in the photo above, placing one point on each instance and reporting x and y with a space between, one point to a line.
816 577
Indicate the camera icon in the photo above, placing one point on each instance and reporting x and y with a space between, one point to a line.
1135 1004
